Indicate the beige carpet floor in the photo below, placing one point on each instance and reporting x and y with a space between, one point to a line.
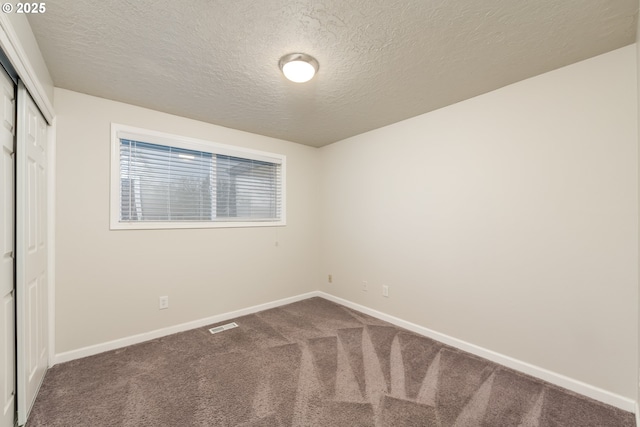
311 363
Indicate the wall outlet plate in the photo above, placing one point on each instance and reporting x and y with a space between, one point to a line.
163 303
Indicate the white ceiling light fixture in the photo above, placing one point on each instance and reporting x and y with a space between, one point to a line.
298 67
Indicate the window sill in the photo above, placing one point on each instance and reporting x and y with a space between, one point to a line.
161 225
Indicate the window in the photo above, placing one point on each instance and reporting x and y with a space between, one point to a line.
166 181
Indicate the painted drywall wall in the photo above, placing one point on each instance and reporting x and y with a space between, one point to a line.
508 220
108 282
638 92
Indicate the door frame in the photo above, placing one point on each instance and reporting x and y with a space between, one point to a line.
8 187
12 47
18 46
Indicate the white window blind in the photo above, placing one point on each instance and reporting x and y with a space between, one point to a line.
172 183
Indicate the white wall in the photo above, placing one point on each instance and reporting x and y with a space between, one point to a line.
508 221
108 282
638 93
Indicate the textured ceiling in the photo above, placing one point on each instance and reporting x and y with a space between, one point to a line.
381 61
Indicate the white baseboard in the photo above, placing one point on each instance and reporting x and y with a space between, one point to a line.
518 365
527 368
158 333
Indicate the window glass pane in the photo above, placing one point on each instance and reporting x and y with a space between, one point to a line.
164 183
246 188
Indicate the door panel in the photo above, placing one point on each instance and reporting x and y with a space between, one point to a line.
31 251
7 250
8 361
32 205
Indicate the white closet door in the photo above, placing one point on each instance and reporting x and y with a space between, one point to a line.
31 251
7 224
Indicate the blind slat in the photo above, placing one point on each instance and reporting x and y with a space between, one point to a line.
165 183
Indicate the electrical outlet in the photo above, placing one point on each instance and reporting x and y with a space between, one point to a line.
330 278
385 291
365 286
163 303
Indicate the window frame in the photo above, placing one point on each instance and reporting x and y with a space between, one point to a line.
120 131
